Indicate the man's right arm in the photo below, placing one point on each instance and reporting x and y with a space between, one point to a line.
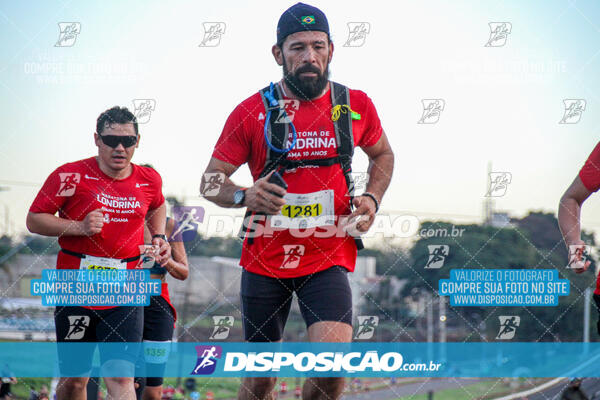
50 225
569 209
42 218
259 197
569 212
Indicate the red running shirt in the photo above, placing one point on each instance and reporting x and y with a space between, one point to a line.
590 177
242 141
75 189
590 172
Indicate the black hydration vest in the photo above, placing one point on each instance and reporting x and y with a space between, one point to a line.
278 131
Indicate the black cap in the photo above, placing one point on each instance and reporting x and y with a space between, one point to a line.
301 17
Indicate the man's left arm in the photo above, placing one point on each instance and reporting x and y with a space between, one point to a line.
156 220
381 166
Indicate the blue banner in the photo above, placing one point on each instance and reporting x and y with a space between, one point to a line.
232 359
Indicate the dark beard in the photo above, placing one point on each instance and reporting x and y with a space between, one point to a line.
306 88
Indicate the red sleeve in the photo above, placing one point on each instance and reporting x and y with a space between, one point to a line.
233 146
158 198
590 173
47 200
372 130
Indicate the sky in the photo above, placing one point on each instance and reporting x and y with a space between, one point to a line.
502 103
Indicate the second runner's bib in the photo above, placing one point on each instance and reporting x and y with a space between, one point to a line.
101 263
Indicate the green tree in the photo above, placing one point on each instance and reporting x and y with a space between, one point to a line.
37 244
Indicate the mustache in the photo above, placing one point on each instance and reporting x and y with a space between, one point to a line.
307 68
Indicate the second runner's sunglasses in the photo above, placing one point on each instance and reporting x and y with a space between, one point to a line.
114 140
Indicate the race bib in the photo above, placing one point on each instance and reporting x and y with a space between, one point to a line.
306 210
101 263
157 352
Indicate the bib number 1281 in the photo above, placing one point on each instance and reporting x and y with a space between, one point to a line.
298 211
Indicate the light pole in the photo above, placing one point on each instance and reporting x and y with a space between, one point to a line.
429 309
443 328
6 210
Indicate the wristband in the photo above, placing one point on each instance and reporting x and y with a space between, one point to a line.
160 235
372 196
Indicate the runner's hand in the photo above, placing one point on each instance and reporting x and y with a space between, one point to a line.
164 250
365 209
260 197
93 222
576 257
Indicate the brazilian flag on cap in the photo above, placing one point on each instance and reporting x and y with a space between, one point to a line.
308 20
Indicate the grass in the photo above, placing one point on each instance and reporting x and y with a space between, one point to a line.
224 388
21 389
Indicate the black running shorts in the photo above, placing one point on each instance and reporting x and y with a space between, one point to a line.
79 324
266 301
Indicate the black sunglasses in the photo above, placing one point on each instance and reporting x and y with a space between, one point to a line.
114 140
